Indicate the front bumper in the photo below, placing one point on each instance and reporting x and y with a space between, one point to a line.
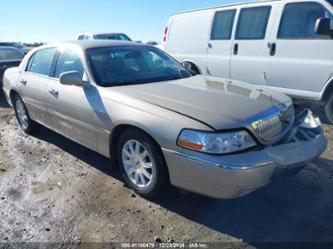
232 176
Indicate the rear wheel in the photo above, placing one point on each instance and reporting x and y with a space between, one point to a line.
22 115
328 108
141 163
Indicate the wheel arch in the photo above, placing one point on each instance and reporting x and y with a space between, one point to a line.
115 134
328 90
12 94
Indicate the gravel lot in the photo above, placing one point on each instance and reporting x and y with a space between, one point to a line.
52 189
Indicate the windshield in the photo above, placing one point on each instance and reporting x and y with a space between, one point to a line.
10 54
122 37
330 1
121 65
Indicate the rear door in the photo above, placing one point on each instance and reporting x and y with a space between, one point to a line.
250 49
220 43
33 81
303 60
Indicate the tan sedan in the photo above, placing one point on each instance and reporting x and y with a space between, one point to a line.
158 123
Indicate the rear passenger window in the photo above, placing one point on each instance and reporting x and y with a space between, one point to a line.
299 20
222 25
41 61
252 23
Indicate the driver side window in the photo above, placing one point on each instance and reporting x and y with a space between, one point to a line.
299 19
68 60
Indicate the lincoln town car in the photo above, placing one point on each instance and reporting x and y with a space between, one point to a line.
158 123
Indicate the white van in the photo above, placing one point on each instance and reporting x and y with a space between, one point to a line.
284 44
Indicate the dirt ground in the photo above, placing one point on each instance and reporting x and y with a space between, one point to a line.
54 190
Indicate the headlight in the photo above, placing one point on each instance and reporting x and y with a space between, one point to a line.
215 143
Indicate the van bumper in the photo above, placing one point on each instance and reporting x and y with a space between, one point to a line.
236 175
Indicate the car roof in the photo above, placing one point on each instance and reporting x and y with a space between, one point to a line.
227 5
86 44
103 33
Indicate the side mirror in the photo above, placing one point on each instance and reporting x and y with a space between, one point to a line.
72 78
188 67
323 27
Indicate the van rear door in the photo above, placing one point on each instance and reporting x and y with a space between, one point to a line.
250 50
220 43
187 37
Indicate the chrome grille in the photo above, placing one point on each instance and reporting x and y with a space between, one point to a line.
268 128
272 124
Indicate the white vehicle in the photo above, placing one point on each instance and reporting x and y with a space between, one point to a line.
285 44
103 36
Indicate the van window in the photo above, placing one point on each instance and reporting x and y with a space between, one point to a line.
81 37
252 23
41 61
299 19
222 25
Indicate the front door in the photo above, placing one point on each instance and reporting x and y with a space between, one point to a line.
303 60
70 107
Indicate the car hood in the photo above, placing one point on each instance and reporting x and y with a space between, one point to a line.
219 103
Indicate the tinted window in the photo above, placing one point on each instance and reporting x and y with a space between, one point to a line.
10 54
41 61
222 25
252 23
113 66
68 60
299 19
81 37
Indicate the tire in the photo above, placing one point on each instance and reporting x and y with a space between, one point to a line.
22 115
328 109
144 158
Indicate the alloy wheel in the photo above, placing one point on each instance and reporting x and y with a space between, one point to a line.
137 163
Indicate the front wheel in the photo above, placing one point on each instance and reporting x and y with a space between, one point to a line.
329 109
22 115
141 163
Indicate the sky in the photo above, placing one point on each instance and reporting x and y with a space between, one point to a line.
62 20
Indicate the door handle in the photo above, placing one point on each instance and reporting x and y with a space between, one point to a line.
23 82
272 48
55 93
236 49
210 45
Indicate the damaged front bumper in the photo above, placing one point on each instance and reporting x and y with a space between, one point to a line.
231 176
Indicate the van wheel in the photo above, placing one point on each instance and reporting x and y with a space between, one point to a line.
329 109
22 115
142 165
